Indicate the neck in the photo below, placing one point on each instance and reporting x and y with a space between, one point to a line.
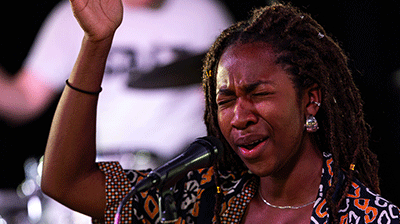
297 182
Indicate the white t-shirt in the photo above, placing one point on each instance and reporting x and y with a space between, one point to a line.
163 121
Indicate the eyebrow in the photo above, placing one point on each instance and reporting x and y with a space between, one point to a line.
225 92
248 88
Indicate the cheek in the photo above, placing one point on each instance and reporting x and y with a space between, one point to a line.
224 122
288 131
284 120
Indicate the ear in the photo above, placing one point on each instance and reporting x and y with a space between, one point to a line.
312 100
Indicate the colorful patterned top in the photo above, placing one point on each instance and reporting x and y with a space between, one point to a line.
194 196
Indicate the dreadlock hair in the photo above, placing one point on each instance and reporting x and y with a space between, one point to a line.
311 57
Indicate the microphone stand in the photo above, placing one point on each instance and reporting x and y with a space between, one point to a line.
167 205
201 153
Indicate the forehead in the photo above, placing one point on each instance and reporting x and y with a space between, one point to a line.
241 64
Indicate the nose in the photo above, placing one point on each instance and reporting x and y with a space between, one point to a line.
244 114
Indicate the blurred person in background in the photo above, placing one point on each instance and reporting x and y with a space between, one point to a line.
150 74
174 31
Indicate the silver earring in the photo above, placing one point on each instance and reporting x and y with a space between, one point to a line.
311 124
316 103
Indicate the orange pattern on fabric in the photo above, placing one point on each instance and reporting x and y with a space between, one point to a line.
207 177
319 212
356 191
360 206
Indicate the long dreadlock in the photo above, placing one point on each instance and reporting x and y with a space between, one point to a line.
310 56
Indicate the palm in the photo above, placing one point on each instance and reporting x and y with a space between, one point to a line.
98 18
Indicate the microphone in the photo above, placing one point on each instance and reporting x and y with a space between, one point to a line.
202 153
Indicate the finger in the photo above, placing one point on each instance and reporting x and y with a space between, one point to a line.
78 5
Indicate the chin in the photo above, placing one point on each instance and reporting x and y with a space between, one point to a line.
260 170
261 173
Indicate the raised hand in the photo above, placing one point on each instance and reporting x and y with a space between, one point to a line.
70 173
98 18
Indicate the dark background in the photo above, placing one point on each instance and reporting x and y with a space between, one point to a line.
367 30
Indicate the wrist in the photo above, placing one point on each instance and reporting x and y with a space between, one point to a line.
106 40
89 67
95 93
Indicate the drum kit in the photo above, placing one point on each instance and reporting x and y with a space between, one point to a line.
28 205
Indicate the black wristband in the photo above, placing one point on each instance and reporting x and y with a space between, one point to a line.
82 91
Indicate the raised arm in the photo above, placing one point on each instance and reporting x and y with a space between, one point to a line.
70 174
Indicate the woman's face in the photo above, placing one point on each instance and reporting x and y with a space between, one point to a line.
258 111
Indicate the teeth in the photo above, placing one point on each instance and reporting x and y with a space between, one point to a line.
256 142
253 143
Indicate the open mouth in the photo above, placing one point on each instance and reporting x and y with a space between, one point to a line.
253 144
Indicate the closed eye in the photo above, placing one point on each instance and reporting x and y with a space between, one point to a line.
223 102
225 96
261 94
